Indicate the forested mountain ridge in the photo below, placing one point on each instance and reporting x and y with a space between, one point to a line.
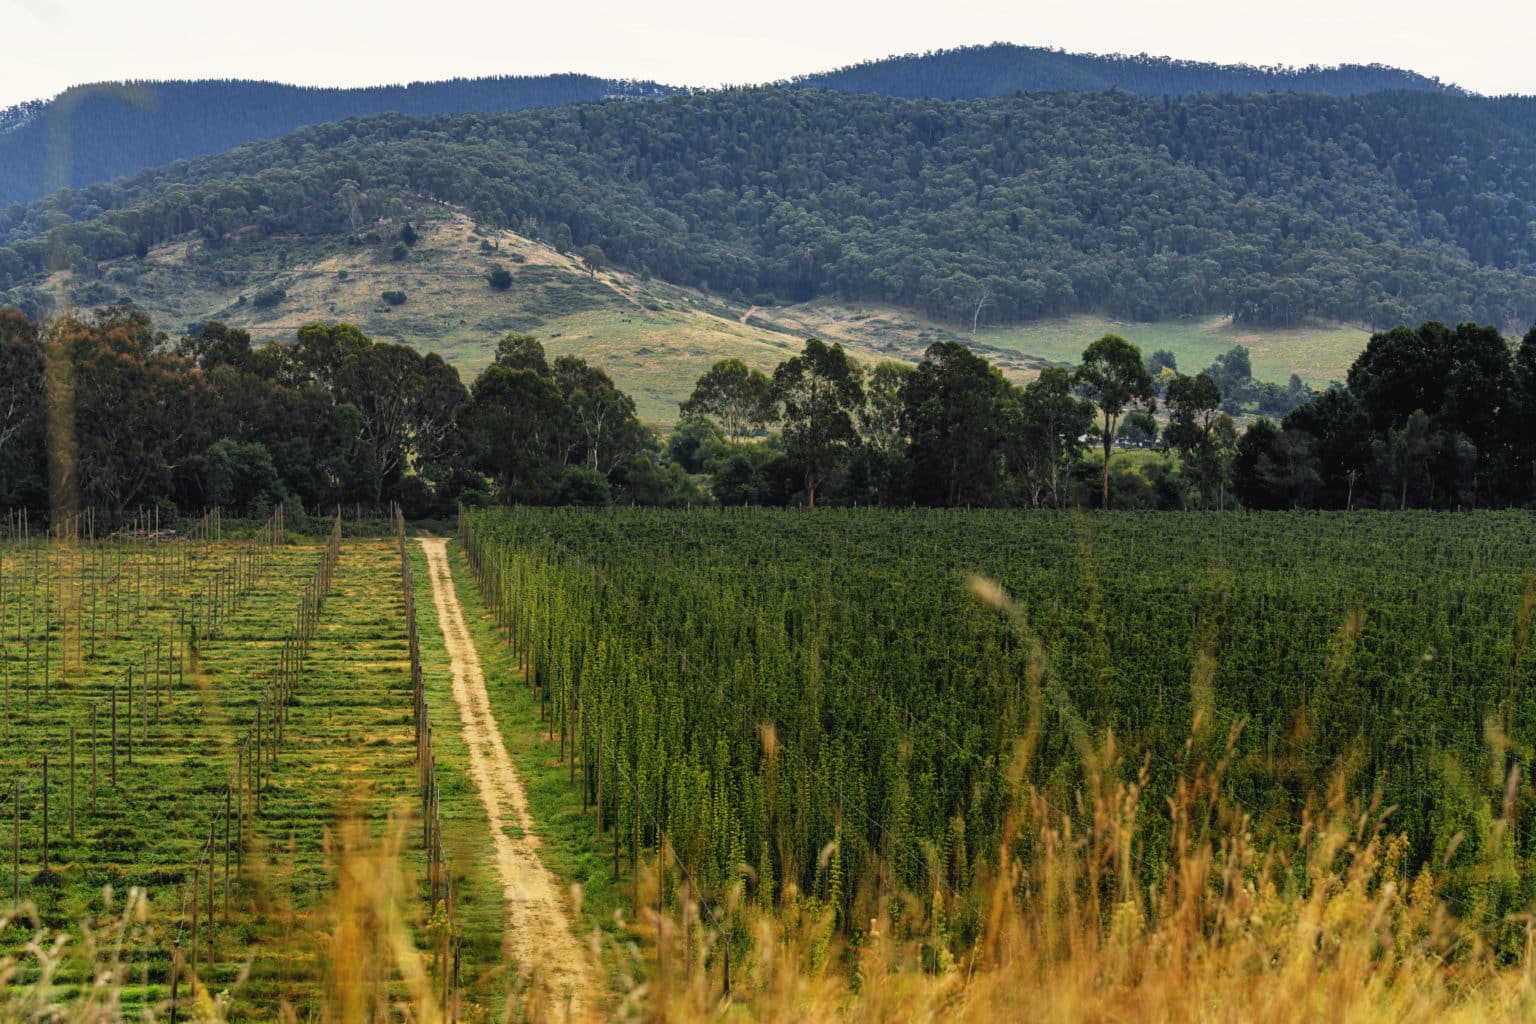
1001 69
1382 209
96 133
104 131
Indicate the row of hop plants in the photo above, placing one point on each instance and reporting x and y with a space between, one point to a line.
664 650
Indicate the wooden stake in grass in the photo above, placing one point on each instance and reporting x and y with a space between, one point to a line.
45 810
93 759
175 975
130 715
240 808
212 835
114 737
197 892
16 842
71 784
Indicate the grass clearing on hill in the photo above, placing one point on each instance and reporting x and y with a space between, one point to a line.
655 338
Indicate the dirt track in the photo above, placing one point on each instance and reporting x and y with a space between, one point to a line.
537 930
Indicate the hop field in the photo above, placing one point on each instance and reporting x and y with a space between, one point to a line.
849 765
834 697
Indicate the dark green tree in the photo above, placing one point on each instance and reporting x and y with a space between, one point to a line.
593 259
820 391
522 352
602 417
23 468
1113 377
1046 437
1193 404
736 397
512 425
954 417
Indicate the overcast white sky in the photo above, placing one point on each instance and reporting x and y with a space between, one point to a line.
52 44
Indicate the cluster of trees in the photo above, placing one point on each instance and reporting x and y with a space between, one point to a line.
330 418
952 431
1385 209
1430 417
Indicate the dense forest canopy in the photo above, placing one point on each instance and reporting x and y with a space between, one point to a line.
100 132
1383 209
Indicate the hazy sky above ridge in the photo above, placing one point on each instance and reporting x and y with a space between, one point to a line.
52 44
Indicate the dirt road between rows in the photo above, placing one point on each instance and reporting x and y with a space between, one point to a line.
537 926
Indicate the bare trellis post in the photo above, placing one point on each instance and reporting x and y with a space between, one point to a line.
16 841
45 811
93 758
212 836
197 892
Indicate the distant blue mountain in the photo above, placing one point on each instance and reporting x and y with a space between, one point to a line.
96 133
1001 69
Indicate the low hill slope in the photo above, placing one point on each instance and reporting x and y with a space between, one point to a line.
1274 210
656 339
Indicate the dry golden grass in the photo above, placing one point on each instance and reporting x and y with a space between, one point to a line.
1330 930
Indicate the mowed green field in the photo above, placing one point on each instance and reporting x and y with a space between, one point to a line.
346 754
1319 353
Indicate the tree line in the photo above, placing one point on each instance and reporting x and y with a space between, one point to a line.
1430 417
1433 417
1390 208
330 418
115 129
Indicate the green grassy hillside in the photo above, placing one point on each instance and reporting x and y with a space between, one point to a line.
654 338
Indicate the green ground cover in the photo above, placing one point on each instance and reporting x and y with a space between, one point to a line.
347 752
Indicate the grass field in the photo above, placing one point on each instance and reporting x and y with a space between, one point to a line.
656 339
